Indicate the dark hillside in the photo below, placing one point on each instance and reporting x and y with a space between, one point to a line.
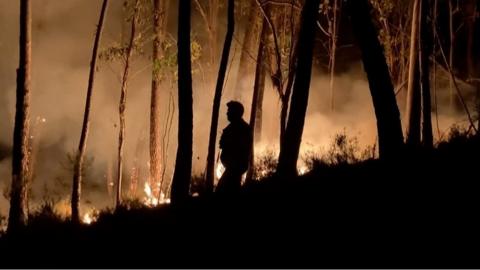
413 213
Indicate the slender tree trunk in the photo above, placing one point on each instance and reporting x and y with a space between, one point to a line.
109 180
257 98
434 50
333 52
259 110
18 196
217 98
450 54
122 107
183 162
413 111
252 35
287 160
424 55
287 90
213 21
78 167
390 137
471 10
159 26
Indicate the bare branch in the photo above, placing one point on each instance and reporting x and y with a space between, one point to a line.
204 16
275 40
462 100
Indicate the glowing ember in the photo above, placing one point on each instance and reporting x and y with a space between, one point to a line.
220 170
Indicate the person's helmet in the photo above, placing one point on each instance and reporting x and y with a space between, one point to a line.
235 108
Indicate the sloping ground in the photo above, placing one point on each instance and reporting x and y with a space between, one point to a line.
417 212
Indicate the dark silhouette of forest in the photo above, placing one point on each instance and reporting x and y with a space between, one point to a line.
417 212
410 202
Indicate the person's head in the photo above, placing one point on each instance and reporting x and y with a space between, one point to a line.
235 111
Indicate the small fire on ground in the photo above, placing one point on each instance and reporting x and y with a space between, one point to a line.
151 200
90 216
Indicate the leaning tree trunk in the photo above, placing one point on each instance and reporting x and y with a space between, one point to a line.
217 98
389 127
413 111
424 55
122 106
18 197
159 24
257 99
183 162
287 160
82 145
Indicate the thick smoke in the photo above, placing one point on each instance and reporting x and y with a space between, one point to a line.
63 33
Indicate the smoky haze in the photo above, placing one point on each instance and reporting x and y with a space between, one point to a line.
63 33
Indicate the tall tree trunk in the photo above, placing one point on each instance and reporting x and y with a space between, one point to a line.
333 52
217 98
287 160
183 162
450 54
18 196
252 34
470 10
413 111
434 75
82 145
213 24
259 110
159 27
390 136
424 55
257 98
122 106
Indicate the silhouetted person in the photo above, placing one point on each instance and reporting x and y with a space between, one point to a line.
235 144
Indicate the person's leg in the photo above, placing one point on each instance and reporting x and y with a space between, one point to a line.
229 183
223 183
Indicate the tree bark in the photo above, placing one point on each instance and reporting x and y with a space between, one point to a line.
389 127
78 167
122 107
18 196
183 162
257 99
287 160
210 175
159 28
413 111
424 54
